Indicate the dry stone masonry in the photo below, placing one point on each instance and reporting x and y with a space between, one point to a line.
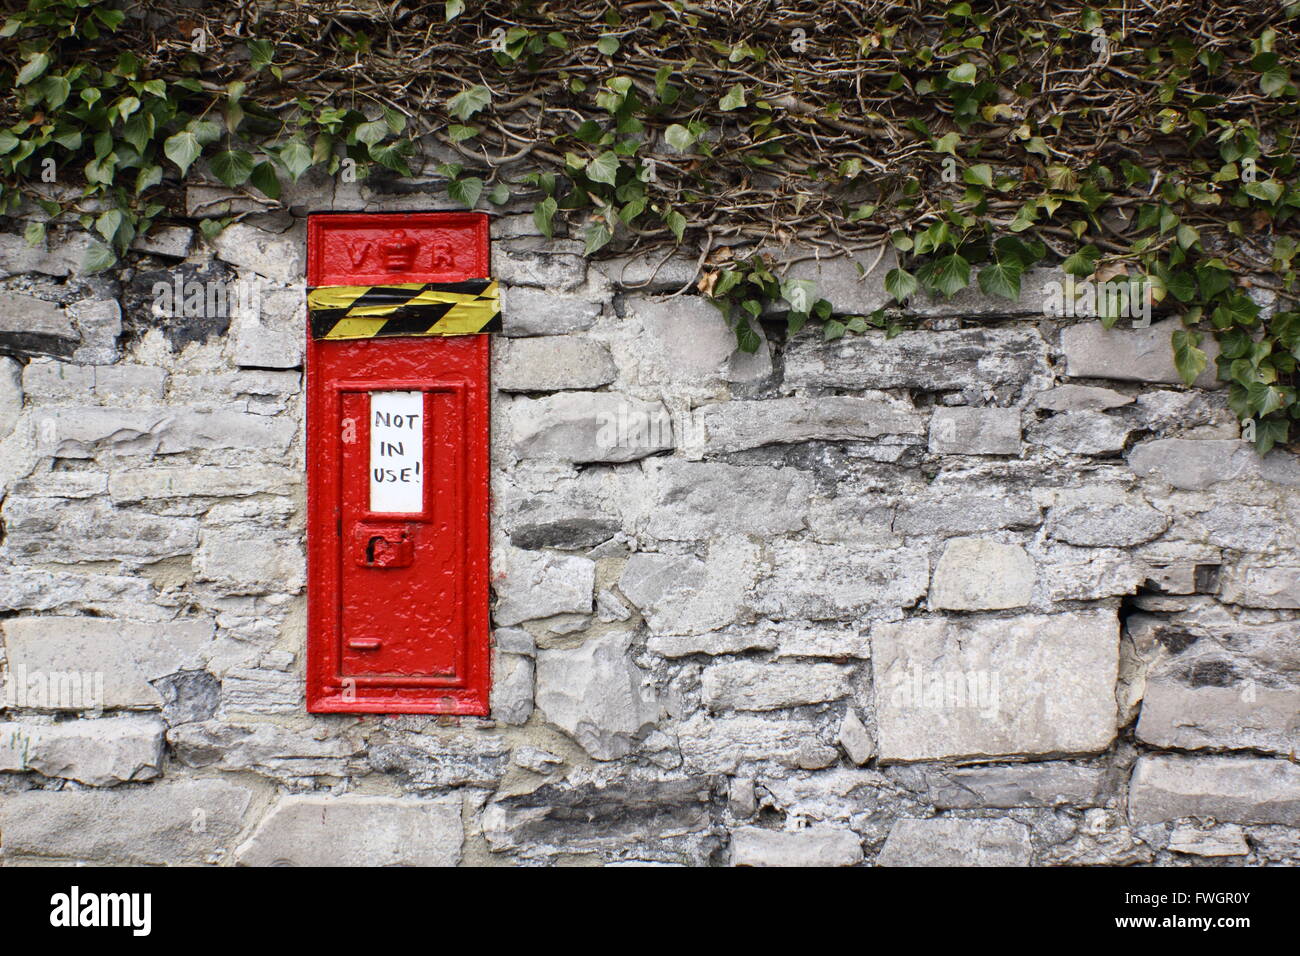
998 590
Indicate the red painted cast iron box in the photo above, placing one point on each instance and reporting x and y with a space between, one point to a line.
397 472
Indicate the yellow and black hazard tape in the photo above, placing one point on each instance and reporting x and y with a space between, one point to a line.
405 308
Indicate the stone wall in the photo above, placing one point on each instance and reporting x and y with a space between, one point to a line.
996 590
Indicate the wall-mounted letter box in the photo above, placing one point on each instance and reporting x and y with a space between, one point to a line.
397 462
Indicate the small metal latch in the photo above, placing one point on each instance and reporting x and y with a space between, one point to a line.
364 643
383 546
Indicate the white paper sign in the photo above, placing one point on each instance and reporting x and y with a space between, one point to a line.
396 452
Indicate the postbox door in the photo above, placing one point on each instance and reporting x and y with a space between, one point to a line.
397 485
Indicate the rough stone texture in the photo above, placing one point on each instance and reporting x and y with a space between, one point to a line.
1227 840
748 685
629 818
977 574
174 242
845 280
933 361
244 562
856 739
596 694
354 830
1080 398
724 744
85 432
512 688
50 382
1178 717
11 395
716 576
68 656
686 342
422 761
989 687
681 594
942 841
1051 784
1081 433
178 822
1194 465
526 311
975 431
1127 354
34 325
963 514
1242 790
1261 587
550 364
534 262
827 582
261 747
813 846
590 426
280 258
697 500
735 426
1105 523
535 584
99 753
201 482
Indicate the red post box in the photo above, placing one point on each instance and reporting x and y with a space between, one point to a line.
397 463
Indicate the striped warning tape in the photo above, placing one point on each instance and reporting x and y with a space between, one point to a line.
404 308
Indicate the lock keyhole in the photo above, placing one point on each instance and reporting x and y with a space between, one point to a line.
370 548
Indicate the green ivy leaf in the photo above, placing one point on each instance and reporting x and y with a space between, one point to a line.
108 223
265 180
1188 358
1269 190
963 73
604 168
544 214
900 284
98 258
453 9
596 235
1083 263
733 99
296 158
233 167
948 275
677 223
981 175
1275 80
947 143
607 44
260 54
372 132
1270 432
679 137
746 338
148 176
466 191
36 65
468 102
182 149
1001 278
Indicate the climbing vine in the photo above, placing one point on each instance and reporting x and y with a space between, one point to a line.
1120 140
